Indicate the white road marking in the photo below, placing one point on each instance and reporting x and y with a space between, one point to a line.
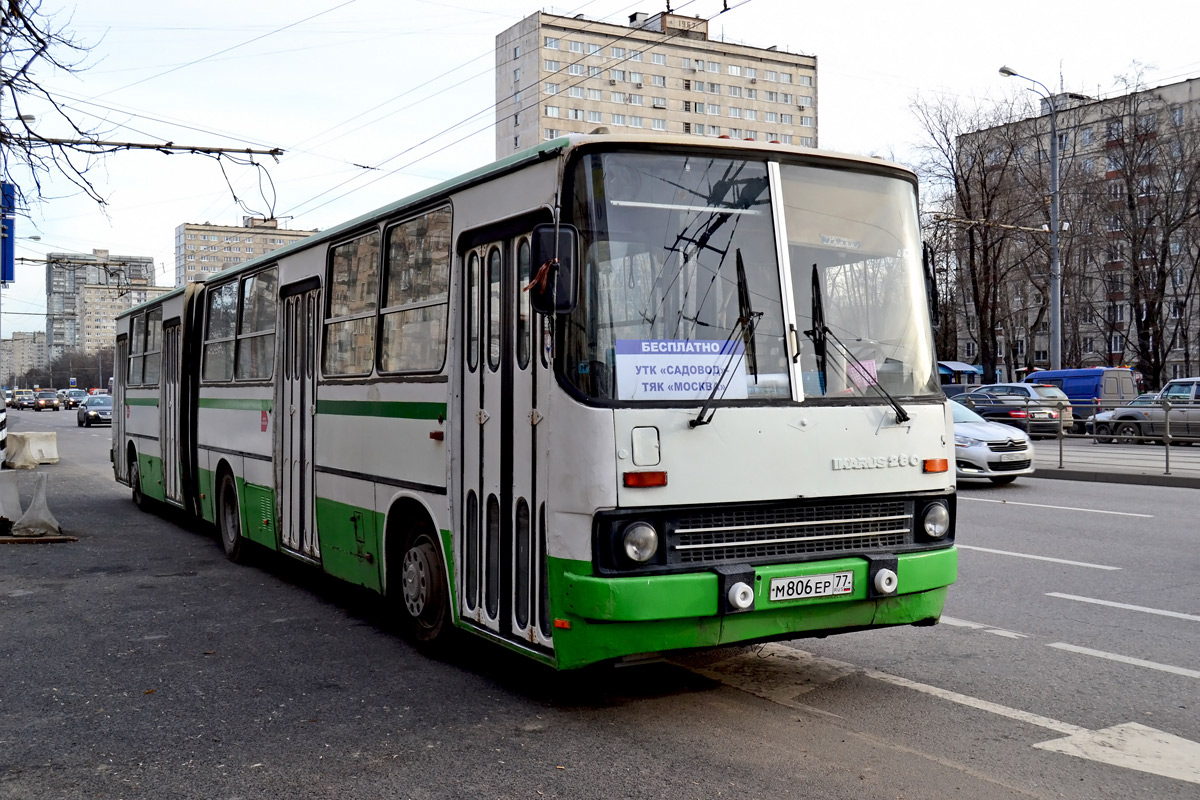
979 626
1126 606
1036 558
1137 662
1058 508
781 674
1134 746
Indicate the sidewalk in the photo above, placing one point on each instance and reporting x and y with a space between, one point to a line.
1145 464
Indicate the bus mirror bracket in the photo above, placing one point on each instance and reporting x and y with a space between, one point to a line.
555 283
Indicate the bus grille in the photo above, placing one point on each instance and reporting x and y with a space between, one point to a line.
779 533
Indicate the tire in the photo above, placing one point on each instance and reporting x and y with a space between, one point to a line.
423 600
87 423
229 520
1103 434
1000 480
79 422
1126 431
135 483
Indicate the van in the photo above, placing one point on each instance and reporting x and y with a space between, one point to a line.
1087 388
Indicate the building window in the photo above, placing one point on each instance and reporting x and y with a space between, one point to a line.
594 116
733 69
635 55
575 69
594 48
617 119
550 88
550 42
1116 343
550 133
550 66
550 111
575 47
575 91
658 58
659 124
969 349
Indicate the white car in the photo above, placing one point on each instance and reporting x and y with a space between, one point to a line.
982 449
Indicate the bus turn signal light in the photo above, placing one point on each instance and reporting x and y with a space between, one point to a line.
642 480
937 465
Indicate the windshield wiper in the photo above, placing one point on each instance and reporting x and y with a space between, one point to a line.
818 331
821 335
747 322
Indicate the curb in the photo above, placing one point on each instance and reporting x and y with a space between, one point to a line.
1138 479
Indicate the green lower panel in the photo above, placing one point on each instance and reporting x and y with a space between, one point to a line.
613 617
208 503
258 513
151 470
350 547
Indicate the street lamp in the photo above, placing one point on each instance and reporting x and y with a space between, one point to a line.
1055 267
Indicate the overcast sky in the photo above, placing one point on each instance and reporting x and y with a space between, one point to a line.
341 85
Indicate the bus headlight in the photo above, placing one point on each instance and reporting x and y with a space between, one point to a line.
937 520
641 542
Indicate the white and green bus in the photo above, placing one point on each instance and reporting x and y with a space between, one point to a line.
611 397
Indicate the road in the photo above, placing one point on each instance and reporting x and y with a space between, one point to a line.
141 663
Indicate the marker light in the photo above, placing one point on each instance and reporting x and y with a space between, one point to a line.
642 480
938 464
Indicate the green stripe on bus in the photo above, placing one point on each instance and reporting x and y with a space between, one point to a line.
381 408
237 403
141 401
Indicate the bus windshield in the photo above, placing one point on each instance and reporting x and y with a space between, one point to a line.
680 291
857 233
679 284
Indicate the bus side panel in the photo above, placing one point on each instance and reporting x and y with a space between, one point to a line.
206 480
151 468
258 513
349 536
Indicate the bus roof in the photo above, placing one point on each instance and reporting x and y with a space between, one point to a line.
542 151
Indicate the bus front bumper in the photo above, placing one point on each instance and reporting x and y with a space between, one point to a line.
606 618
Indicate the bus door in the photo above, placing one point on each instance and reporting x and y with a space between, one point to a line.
502 572
296 413
120 362
169 412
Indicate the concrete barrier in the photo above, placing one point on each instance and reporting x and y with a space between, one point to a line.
27 450
10 499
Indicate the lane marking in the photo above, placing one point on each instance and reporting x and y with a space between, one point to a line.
1058 508
979 626
1126 606
1137 662
1134 746
1036 558
787 673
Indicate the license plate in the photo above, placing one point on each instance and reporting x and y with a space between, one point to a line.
1013 456
1039 414
805 586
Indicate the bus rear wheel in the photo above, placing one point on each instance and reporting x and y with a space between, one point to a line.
424 596
135 483
229 520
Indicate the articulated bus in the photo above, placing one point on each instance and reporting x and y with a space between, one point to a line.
610 398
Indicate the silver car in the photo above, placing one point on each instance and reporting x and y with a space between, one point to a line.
982 449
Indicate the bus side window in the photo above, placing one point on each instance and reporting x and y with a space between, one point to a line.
153 346
349 346
412 331
218 338
137 341
256 326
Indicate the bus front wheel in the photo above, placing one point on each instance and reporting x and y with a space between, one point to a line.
229 520
423 591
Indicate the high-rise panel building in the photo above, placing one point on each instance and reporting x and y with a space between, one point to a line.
23 351
84 293
208 248
661 73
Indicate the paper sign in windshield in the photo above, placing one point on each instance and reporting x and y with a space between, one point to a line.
672 369
862 373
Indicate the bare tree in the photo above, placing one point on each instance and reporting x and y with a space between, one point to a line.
33 43
970 165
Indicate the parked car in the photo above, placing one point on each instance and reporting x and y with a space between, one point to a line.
1017 410
73 397
1183 396
46 401
984 449
1121 424
8 397
1046 395
95 410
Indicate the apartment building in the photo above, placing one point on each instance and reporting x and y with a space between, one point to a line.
84 293
1129 241
23 351
208 248
661 73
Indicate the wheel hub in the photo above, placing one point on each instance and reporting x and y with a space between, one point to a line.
416 579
